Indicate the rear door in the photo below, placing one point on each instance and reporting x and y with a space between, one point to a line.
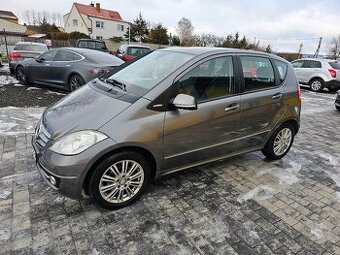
298 70
310 69
261 100
62 66
192 136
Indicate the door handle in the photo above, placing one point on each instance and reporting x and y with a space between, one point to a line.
277 96
232 107
47 64
68 65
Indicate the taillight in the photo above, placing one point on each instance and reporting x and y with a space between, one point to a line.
332 72
126 57
14 55
299 93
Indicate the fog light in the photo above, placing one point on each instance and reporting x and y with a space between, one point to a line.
53 180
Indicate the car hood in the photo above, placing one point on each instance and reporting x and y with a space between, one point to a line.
83 109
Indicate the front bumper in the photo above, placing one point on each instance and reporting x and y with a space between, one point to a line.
66 174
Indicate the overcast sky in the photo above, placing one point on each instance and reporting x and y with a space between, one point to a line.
283 24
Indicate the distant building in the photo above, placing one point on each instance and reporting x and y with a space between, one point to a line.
94 21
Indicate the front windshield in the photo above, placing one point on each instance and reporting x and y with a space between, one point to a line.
151 69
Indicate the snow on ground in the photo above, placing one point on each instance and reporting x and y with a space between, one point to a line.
334 172
6 80
262 192
318 231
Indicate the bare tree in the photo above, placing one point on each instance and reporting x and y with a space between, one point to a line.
334 47
185 31
54 18
206 40
60 20
33 16
27 17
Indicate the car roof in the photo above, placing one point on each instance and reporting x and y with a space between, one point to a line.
91 40
31 43
135 45
318 59
215 50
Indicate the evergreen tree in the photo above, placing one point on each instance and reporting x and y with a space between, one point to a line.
158 35
139 28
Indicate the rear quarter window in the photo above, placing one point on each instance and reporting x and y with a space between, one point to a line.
282 67
335 65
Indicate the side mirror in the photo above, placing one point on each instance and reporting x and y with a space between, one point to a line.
39 60
187 102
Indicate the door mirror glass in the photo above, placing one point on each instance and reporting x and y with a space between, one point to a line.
186 102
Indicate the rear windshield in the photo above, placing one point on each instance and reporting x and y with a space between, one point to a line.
31 47
102 58
335 65
136 51
92 45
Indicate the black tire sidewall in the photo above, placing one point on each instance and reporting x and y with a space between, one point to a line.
338 108
24 71
69 81
102 167
317 79
268 150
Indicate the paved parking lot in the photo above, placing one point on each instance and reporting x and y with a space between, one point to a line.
242 205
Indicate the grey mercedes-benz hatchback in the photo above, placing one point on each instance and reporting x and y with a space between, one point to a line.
169 110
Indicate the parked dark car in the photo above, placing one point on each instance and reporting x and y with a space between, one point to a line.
127 52
169 110
1 60
337 101
25 50
92 44
67 68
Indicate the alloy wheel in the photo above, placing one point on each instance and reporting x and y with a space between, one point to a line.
21 76
75 82
282 141
121 181
316 85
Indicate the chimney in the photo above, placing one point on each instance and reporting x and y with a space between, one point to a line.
98 7
92 4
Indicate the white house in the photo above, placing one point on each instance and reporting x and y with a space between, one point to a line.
94 21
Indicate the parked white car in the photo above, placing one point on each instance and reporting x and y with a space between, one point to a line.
318 73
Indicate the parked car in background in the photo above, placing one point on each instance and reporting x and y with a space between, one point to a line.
127 52
337 101
67 68
25 50
92 44
169 110
1 64
318 73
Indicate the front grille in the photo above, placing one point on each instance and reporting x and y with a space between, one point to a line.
42 136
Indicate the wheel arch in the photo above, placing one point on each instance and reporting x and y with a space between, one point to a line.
142 151
323 78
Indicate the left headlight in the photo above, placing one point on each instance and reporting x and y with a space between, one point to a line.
77 142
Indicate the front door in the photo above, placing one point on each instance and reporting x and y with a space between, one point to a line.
40 69
62 67
194 136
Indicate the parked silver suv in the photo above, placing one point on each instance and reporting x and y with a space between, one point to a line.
170 110
318 73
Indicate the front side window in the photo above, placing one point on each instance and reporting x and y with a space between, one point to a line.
49 55
75 22
99 24
258 73
211 79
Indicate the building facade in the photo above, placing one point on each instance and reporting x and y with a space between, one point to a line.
94 21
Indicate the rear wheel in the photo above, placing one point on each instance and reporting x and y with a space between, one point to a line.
280 142
21 75
316 84
75 81
119 180
338 108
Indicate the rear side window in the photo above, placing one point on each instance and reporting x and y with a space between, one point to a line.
82 44
31 47
311 64
258 73
49 55
100 46
297 64
335 65
282 68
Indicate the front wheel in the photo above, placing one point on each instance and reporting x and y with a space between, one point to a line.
75 81
280 142
21 75
316 85
119 180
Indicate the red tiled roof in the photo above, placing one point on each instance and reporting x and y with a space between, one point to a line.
102 13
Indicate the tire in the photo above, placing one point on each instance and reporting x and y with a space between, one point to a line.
316 84
74 82
272 148
119 186
21 75
338 108
332 89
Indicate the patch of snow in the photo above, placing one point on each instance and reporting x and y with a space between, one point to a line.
15 118
35 115
6 126
262 192
337 197
7 79
18 85
317 231
32 88
5 194
335 172
56 93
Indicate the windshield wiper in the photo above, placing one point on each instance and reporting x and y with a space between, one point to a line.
115 83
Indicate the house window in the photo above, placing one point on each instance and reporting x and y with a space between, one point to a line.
99 24
120 28
99 37
75 22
